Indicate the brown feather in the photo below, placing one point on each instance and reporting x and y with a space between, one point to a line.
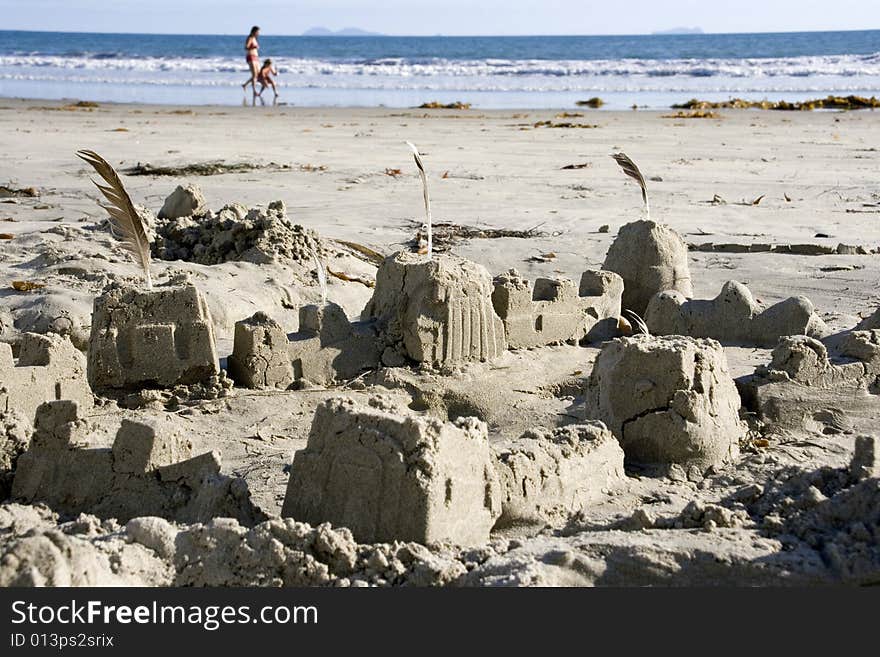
629 168
125 222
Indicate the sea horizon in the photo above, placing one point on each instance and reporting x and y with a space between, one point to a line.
649 71
382 35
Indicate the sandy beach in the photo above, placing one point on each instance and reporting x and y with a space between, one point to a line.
748 177
494 169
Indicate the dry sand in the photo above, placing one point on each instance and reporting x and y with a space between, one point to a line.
816 174
501 172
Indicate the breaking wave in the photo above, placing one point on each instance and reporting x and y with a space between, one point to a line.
802 67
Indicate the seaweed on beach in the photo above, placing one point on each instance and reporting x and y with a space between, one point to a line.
695 114
201 169
364 252
79 105
457 105
341 275
830 102
18 192
595 102
447 234
27 286
563 124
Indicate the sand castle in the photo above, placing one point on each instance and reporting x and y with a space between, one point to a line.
48 367
425 448
559 472
259 357
162 337
441 313
865 462
435 311
387 474
552 311
807 387
806 361
650 258
733 317
667 400
391 476
146 472
328 348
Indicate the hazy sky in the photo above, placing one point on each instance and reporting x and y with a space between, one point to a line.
451 17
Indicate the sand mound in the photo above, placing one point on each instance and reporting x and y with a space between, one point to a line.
827 510
38 551
235 233
283 552
845 529
14 429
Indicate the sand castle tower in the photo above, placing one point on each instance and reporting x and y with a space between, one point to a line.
651 258
160 337
436 311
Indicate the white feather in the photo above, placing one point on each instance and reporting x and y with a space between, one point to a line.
322 276
418 158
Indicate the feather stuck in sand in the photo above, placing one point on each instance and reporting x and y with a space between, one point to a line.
125 222
418 158
629 168
633 322
322 276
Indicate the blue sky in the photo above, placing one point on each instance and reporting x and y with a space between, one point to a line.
452 17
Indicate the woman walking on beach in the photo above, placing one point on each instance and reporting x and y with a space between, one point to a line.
252 48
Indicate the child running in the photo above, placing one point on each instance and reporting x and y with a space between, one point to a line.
264 77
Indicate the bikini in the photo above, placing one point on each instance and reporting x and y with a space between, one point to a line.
253 54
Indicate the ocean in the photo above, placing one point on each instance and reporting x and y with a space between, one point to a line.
650 71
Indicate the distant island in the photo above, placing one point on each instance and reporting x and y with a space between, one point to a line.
344 32
680 30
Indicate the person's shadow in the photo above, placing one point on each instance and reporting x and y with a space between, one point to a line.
244 101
